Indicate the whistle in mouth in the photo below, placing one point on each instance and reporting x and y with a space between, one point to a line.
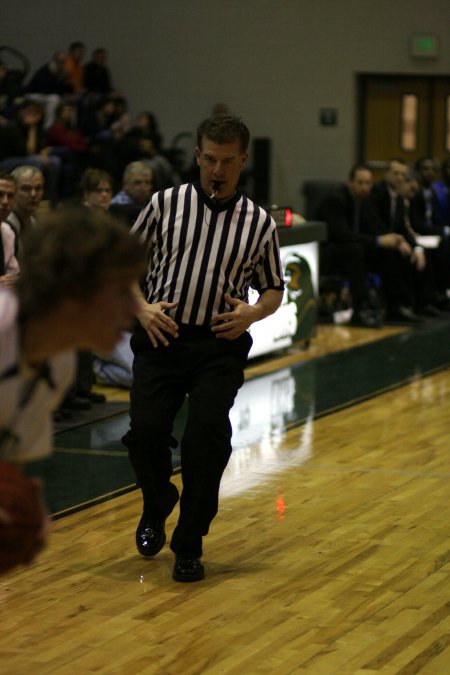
216 187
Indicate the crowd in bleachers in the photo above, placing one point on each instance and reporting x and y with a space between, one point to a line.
66 137
68 116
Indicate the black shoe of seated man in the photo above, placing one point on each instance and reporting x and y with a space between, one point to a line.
91 396
366 318
442 302
150 537
404 314
77 403
429 311
443 307
188 569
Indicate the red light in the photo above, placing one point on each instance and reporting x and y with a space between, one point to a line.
281 507
288 218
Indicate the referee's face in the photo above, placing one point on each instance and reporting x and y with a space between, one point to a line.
220 166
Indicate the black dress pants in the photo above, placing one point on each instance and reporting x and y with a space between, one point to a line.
354 259
209 371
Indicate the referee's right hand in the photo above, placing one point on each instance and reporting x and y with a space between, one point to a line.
156 322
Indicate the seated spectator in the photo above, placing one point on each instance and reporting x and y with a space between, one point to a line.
97 193
426 291
64 131
442 190
9 266
143 142
30 188
97 189
425 204
121 124
114 368
387 201
135 193
24 141
69 145
147 123
96 120
426 219
10 92
49 84
97 78
220 109
7 194
74 68
51 78
354 245
102 125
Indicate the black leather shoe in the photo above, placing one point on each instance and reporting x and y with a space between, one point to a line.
366 318
429 311
188 569
150 537
91 396
77 403
404 315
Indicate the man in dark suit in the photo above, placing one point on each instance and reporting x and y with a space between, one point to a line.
357 245
426 220
407 271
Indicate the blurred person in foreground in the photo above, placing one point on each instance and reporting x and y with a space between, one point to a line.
75 291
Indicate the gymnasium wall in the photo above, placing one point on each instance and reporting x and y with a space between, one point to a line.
275 62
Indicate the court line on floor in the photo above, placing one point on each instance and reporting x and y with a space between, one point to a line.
90 452
374 470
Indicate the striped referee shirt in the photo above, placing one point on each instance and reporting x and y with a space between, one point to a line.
199 250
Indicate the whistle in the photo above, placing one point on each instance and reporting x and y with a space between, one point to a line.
216 187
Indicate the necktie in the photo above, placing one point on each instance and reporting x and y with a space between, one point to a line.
356 215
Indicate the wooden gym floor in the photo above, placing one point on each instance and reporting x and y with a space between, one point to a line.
330 553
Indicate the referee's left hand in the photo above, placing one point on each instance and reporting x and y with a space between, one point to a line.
230 325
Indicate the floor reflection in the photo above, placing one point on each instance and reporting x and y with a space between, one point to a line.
90 461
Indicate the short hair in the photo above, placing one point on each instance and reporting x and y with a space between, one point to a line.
357 167
64 104
31 103
136 167
4 175
93 177
26 171
224 129
70 254
421 160
399 160
76 45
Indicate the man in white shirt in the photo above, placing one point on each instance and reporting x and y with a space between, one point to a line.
29 193
9 266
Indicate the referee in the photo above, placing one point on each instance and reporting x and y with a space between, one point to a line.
207 244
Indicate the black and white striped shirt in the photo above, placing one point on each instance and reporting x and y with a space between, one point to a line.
200 250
